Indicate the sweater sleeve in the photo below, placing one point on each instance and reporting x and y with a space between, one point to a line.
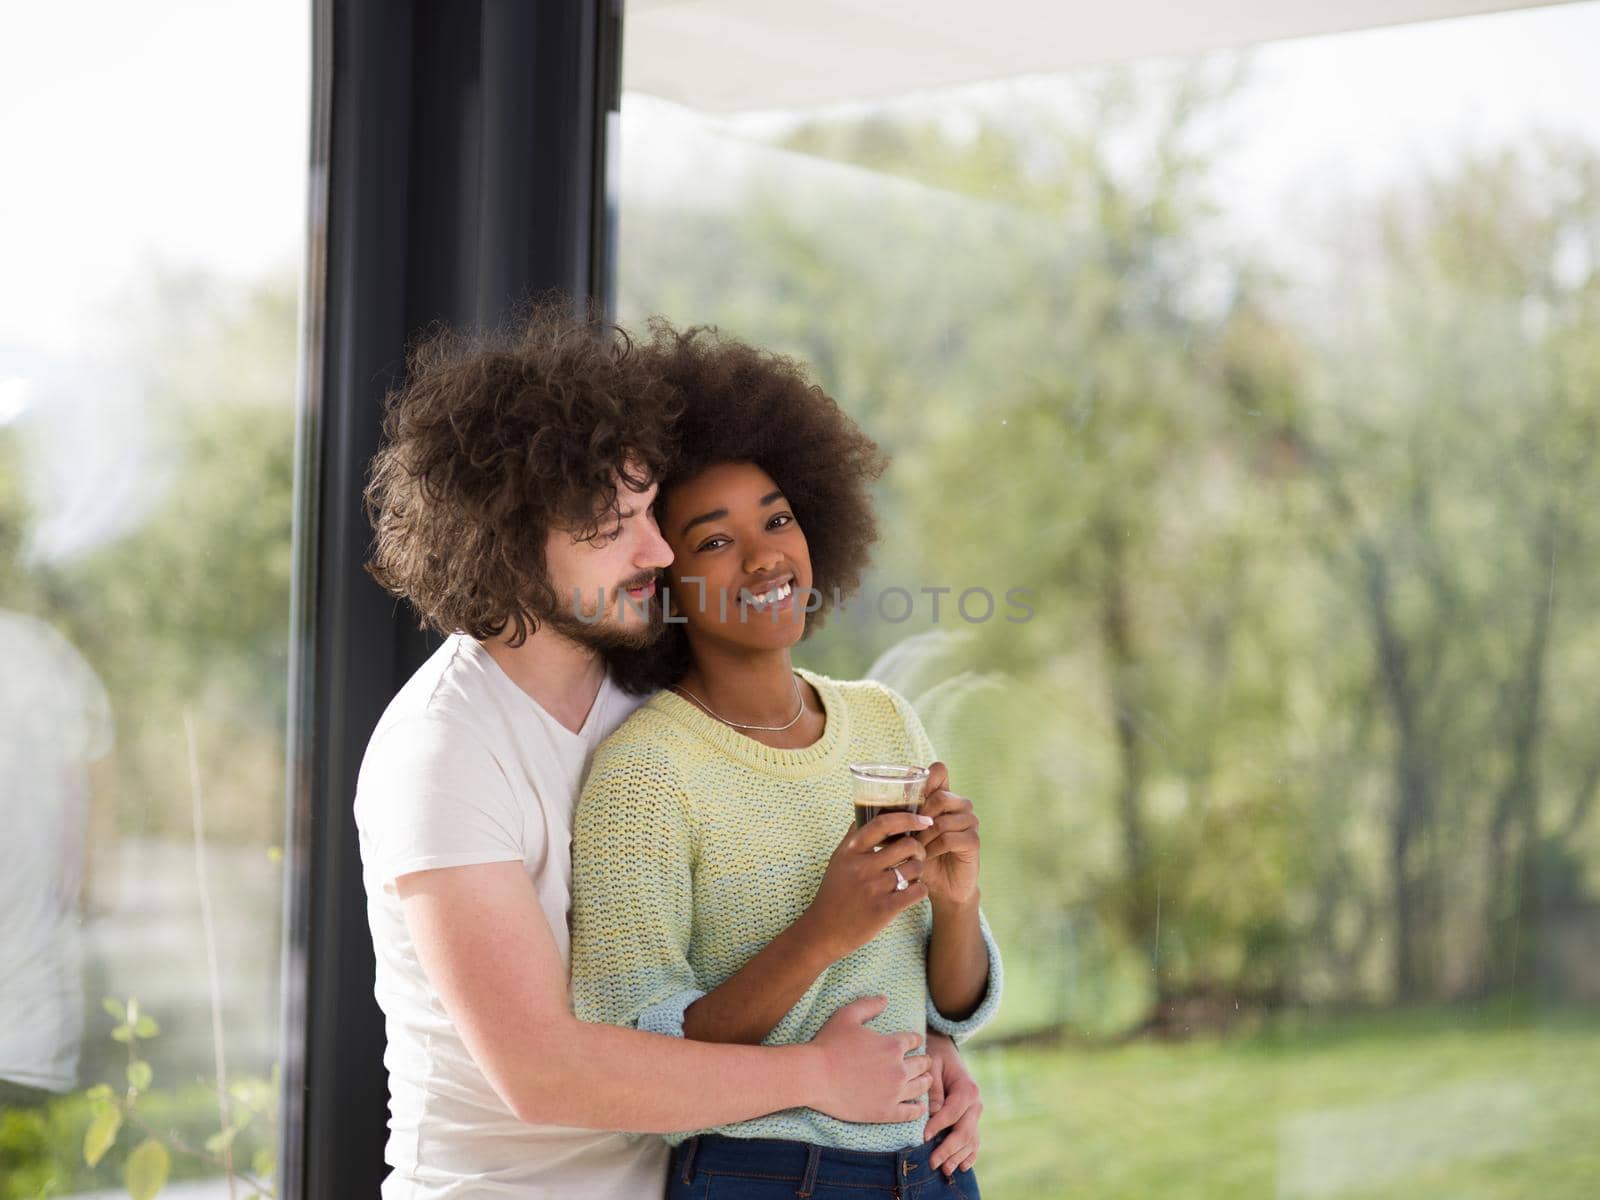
987 1007
923 753
632 892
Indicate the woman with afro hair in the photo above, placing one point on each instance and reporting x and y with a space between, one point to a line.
720 892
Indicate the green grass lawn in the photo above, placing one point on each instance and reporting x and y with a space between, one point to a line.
1446 1104
1427 1105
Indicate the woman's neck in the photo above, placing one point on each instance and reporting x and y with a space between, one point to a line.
757 688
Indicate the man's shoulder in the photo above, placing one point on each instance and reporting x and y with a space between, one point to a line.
441 687
439 720
450 693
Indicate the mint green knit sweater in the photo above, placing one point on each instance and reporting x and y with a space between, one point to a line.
694 846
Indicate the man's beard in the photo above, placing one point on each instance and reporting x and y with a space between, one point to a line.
603 633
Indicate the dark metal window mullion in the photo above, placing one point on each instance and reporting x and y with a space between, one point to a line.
457 162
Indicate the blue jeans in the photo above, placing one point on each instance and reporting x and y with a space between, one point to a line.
724 1168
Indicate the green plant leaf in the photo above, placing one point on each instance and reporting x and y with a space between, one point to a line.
146 1172
98 1094
139 1075
122 1034
115 1008
146 1027
133 1010
264 1163
218 1142
101 1134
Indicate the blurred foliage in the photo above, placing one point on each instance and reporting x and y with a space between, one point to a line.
181 607
188 608
1309 684
142 1135
41 1149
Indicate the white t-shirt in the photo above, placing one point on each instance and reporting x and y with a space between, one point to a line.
55 719
465 767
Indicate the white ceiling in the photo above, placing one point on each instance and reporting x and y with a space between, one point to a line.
743 55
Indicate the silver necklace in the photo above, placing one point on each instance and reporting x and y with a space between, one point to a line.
738 725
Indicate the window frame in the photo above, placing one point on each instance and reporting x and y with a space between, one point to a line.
458 164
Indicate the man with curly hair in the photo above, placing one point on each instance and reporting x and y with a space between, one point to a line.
512 504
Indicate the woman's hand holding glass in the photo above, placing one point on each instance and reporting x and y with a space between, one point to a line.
951 870
861 892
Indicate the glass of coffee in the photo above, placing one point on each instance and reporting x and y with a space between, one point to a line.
886 787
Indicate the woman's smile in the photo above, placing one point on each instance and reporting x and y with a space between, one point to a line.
777 596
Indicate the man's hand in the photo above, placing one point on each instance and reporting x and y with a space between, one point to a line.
953 1104
951 871
868 1076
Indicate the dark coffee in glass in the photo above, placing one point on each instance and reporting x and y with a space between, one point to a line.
885 788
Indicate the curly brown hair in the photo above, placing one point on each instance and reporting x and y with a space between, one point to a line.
741 404
493 441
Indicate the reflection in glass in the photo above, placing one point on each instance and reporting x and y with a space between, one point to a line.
55 719
147 384
1268 381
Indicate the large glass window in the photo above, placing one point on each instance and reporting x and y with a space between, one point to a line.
1244 411
152 235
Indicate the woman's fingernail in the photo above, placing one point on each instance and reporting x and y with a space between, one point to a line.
925 821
